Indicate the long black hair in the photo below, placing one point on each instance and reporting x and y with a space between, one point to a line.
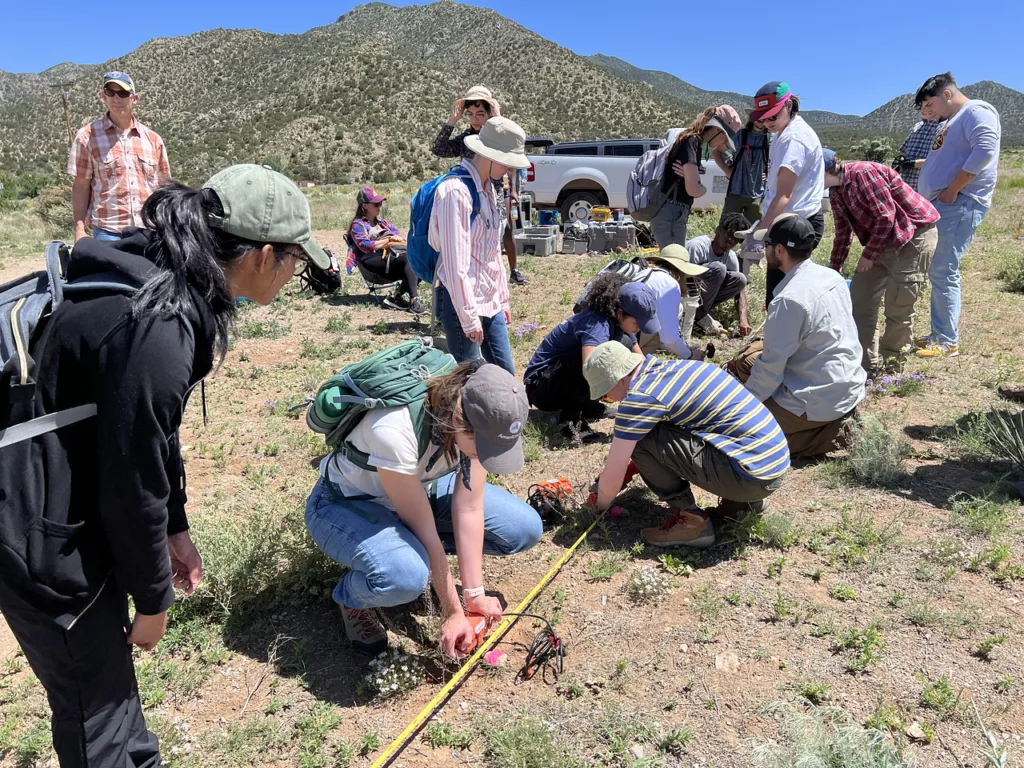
603 295
360 214
192 257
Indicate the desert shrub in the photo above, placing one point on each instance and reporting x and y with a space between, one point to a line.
877 453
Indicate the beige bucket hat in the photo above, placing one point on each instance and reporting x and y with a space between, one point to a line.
502 141
677 257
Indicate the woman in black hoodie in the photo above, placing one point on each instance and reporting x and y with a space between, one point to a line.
113 502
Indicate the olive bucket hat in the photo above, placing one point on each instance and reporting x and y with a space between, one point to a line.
264 206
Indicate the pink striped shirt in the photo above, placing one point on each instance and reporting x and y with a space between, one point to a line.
470 267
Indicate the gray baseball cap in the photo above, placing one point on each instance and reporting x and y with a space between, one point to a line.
264 206
496 407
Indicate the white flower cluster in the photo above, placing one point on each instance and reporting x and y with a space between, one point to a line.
646 584
393 673
187 739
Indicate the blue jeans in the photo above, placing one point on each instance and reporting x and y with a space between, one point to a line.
495 347
956 230
387 564
99 233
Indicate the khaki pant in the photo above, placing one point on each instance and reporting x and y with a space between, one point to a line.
750 207
806 438
899 276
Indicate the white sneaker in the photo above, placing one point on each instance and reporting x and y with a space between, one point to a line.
364 629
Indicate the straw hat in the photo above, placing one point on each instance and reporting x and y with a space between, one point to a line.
502 141
677 257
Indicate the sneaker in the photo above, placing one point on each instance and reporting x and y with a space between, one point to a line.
939 350
579 430
364 630
516 277
416 307
922 341
686 528
396 301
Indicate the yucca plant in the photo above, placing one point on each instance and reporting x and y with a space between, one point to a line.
1004 431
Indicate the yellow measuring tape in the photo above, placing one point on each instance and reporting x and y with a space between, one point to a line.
398 744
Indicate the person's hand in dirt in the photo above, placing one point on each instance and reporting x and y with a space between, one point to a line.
457 636
488 607
745 329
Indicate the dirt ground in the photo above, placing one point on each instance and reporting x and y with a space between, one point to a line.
266 678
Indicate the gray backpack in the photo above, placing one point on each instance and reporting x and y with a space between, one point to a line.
644 194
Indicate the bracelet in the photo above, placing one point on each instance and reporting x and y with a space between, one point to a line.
472 591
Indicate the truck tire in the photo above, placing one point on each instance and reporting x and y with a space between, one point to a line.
577 206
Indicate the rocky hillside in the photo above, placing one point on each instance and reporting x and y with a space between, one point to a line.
899 115
358 99
698 97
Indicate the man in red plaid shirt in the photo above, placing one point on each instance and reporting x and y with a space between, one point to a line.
117 163
896 226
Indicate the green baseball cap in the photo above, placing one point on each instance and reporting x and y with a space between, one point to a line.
264 206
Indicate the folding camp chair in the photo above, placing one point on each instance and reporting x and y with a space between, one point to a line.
375 284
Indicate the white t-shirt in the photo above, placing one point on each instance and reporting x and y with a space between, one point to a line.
669 295
390 440
798 149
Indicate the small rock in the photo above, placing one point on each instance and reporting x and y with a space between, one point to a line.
637 751
916 732
728 662
604 599
684 647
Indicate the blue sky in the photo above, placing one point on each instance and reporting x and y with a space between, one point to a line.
845 56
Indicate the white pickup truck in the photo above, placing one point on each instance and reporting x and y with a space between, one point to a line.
578 175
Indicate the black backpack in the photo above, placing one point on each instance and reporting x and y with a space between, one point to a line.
322 281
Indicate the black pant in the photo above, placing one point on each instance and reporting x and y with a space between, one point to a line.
392 264
560 386
774 276
89 679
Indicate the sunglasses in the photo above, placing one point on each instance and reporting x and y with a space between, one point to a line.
117 94
301 261
773 118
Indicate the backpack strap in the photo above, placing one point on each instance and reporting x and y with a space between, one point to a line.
459 172
50 422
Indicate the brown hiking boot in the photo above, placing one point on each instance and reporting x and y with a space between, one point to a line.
1011 392
364 630
686 528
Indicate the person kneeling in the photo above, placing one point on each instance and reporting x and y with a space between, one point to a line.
808 370
391 525
683 422
612 310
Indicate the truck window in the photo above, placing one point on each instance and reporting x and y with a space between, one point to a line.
624 150
585 150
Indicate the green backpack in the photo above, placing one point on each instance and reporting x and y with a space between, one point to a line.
390 378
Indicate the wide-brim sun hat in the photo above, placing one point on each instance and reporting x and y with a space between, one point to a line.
714 122
502 141
264 206
607 365
677 257
770 99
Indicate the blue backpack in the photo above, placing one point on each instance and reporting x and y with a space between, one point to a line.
422 257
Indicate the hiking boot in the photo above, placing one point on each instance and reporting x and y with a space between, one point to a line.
1015 393
579 430
363 629
686 528
939 350
416 307
733 509
396 301
516 278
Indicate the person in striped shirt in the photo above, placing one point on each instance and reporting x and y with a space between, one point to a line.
116 163
681 422
472 298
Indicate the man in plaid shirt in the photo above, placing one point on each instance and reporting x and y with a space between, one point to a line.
117 163
896 226
916 148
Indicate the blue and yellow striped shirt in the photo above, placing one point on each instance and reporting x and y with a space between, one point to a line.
705 400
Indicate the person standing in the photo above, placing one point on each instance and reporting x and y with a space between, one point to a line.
959 177
896 226
109 507
116 163
796 169
724 279
682 185
915 149
808 372
478 106
473 295
747 169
